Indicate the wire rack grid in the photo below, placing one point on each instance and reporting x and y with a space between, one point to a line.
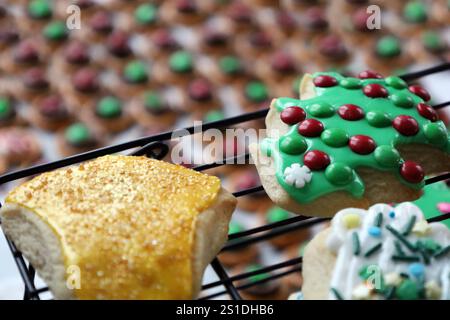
155 147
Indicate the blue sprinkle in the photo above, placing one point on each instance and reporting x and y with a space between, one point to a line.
416 269
392 214
375 231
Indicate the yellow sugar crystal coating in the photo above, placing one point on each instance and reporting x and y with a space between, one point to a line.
351 220
127 222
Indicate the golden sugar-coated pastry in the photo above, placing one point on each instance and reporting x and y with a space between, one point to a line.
350 142
132 227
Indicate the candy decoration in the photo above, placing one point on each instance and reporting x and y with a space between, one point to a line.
388 47
444 207
396 82
181 62
416 270
351 221
412 172
256 91
436 133
325 81
374 90
378 119
407 290
310 128
427 112
321 110
293 115
77 134
374 231
350 83
297 176
338 173
402 100
420 91
56 31
136 72
350 112
335 137
406 125
369 74
316 160
109 107
291 145
387 156
362 144
146 14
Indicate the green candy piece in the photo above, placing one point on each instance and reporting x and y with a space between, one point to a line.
256 277
5 108
387 156
388 47
146 13
77 134
350 83
339 173
230 65
153 101
256 91
396 82
109 107
415 12
136 72
321 109
277 214
181 62
235 227
335 137
403 100
407 290
378 119
56 31
432 41
293 145
296 85
214 115
436 133
40 9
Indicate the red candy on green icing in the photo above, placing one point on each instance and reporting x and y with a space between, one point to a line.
384 114
310 128
362 144
412 172
324 81
375 90
420 91
427 112
316 160
293 115
369 74
350 112
406 125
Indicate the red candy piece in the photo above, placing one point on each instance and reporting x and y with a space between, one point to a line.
350 112
316 160
293 115
427 112
310 128
374 90
362 144
325 81
420 91
412 172
369 74
406 125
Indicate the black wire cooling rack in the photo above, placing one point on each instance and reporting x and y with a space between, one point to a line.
154 147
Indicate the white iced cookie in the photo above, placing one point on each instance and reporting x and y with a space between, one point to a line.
380 253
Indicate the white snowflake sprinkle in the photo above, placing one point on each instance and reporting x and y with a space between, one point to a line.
297 175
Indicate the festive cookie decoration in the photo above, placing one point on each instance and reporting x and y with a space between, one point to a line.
435 200
389 253
351 123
